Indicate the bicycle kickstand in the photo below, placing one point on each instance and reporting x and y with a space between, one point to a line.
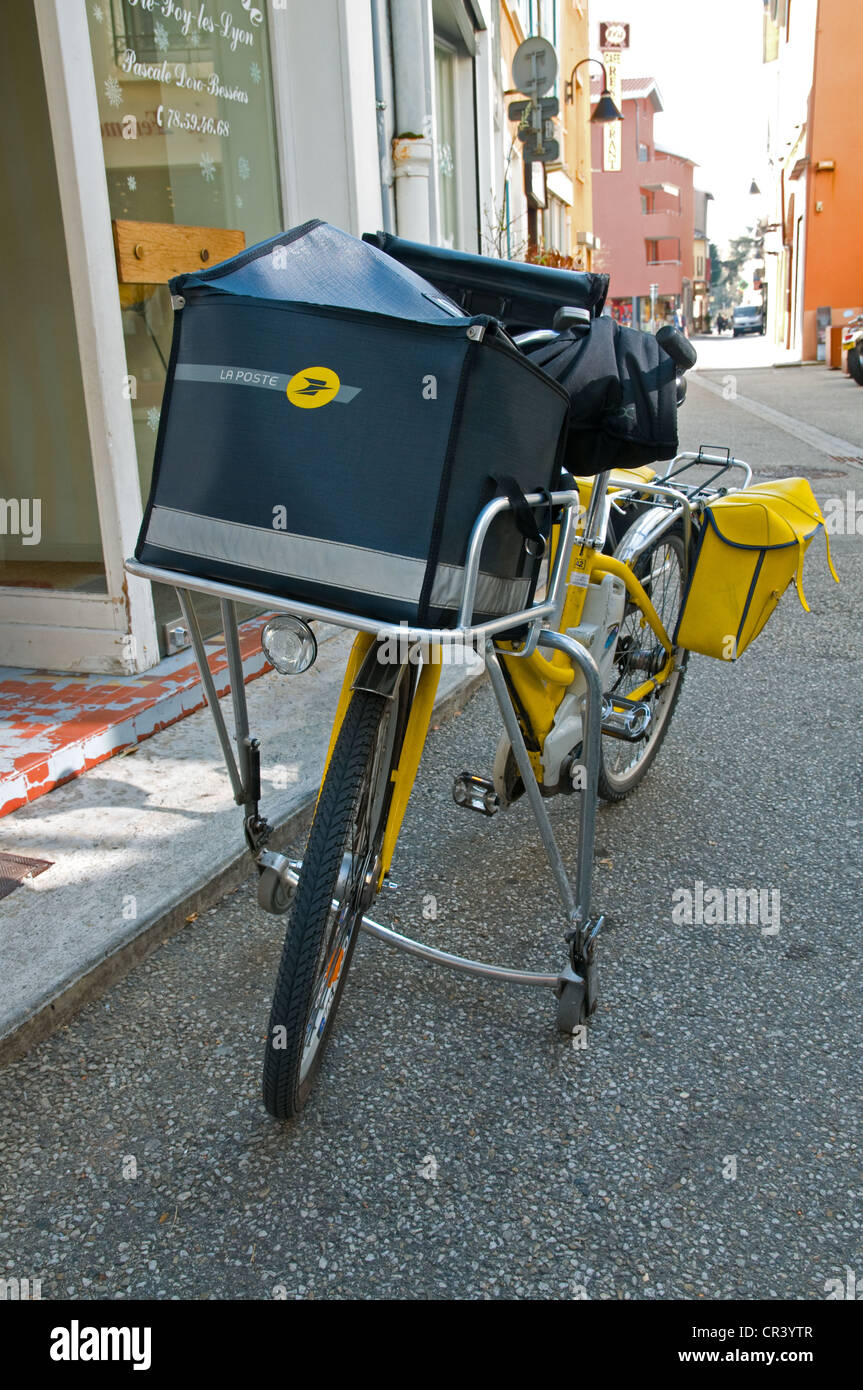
578 981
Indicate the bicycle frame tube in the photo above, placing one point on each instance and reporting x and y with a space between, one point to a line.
606 564
411 752
539 683
362 642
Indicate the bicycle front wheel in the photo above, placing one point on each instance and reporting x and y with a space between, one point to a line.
337 884
660 570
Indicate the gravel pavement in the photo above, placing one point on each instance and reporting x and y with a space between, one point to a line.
703 1144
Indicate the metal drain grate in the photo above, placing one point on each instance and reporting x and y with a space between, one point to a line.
771 472
14 868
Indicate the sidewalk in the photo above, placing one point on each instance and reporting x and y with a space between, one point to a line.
145 838
55 726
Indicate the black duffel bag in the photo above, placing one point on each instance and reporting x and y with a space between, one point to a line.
622 388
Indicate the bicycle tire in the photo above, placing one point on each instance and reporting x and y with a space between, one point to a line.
855 364
353 806
616 782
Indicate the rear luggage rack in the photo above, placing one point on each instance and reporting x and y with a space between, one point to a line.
716 456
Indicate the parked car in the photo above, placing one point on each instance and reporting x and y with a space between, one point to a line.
852 339
748 318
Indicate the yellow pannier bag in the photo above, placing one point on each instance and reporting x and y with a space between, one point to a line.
751 546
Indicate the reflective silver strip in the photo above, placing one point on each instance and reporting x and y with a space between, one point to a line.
351 567
493 594
281 552
248 376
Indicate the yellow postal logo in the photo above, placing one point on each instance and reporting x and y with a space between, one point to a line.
312 387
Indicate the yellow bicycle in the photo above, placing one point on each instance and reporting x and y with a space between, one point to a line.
586 659
586 694
640 570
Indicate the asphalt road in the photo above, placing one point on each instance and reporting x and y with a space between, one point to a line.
705 1142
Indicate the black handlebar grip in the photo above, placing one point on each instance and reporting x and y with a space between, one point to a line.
679 348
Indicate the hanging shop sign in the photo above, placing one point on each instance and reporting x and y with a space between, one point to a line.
611 131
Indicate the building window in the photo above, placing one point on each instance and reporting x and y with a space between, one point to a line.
643 153
202 153
445 173
554 226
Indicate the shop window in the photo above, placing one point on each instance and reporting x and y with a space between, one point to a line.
186 112
188 134
49 521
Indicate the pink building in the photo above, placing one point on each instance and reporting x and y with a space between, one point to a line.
644 215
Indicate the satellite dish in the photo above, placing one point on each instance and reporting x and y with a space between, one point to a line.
534 67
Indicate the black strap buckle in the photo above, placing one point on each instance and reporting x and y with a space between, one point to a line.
535 539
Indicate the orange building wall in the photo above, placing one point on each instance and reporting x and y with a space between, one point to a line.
834 262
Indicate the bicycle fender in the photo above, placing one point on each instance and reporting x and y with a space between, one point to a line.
377 674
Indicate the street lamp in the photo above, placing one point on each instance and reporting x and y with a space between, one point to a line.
605 109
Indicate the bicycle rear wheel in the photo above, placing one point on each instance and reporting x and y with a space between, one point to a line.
337 884
660 570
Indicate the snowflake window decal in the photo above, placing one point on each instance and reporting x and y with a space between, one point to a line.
255 73
131 183
98 13
113 91
161 37
244 168
445 160
208 167
153 417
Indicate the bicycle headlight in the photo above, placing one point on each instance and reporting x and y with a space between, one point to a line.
289 644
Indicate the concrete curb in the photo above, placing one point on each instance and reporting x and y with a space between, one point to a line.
57 1011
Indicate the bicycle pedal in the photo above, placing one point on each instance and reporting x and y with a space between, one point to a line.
475 794
625 719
